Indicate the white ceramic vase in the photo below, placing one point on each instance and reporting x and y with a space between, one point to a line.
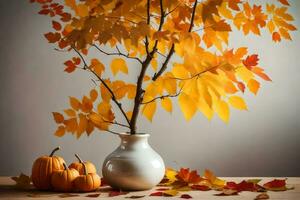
134 165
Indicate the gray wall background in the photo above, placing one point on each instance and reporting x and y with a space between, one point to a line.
264 141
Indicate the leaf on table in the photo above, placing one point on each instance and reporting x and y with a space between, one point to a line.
186 196
67 195
22 181
227 192
276 185
213 180
169 178
114 193
93 195
186 176
166 193
162 189
242 186
200 187
262 196
135 197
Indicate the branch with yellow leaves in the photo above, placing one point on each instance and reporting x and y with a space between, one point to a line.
113 97
119 53
163 96
172 49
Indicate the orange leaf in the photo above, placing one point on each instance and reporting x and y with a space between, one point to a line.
276 185
75 104
221 26
59 118
260 72
61 130
56 25
241 86
276 37
233 4
253 86
187 176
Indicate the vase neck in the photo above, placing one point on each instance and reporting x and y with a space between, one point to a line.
137 141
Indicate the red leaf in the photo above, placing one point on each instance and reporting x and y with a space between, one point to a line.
76 60
62 44
185 196
200 187
284 2
241 86
157 194
44 12
262 196
242 186
93 195
251 61
70 66
114 193
184 175
52 37
56 25
276 184
65 17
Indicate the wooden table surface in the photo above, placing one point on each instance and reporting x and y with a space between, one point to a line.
9 192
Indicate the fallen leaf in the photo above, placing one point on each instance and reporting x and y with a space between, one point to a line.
135 197
276 185
22 181
186 196
66 195
227 192
114 193
262 196
93 195
200 187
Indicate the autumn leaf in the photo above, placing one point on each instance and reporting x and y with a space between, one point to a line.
167 193
135 197
52 37
114 193
97 67
56 25
276 185
118 65
186 196
59 118
237 102
187 106
22 181
75 103
166 103
95 195
61 130
227 192
70 66
149 110
222 110
213 180
253 86
262 196
186 176
284 2
251 61
200 187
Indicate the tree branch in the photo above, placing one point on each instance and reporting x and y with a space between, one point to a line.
163 96
171 52
117 54
113 97
195 75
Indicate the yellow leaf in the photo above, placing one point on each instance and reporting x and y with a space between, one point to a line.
93 94
253 86
71 4
154 64
237 102
82 10
105 94
131 91
59 118
61 130
213 180
71 125
82 125
205 109
149 110
222 110
170 193
70 112
75 104
166 103
104 109
187 105
117 65
97 66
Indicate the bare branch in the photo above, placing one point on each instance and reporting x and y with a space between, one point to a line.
113 97
161 54
117 54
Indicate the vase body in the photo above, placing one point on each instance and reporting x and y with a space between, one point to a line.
134 165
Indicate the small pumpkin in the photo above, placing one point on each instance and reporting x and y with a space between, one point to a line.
63 180
42 169
79 166
87 182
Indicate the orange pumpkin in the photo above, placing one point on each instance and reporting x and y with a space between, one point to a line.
42 169
87 182
79 166
63 180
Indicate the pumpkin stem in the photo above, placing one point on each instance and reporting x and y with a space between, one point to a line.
79 159
84 169
65 166
54 150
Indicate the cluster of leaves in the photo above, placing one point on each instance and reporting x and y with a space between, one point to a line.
184 180
187 180
207 77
